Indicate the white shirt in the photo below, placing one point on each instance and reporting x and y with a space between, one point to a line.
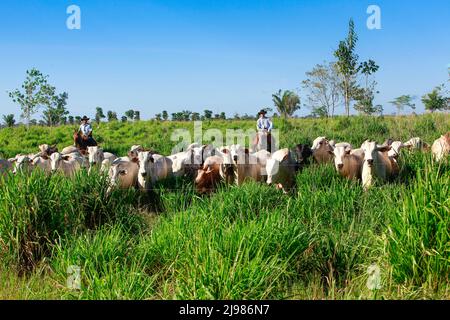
86 129
264 124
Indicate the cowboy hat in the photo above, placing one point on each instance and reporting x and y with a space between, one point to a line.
262 112
85 118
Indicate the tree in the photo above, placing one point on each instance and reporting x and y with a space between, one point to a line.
158 117
347 65
35 93
364 98
137 115
9 120
165 115
223 116
286 102
403 101
185 115
320 112
435 100
99 115
195 116
323 86
56 108
124 119
77 119
71 120
236 116
208 114
112 116
129 114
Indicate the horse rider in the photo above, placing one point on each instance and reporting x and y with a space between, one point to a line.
85 132
264 127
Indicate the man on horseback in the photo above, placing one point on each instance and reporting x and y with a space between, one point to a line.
264 136
83 137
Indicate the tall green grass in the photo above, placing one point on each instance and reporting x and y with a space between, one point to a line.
249 242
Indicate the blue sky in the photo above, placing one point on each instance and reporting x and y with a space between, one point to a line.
223 55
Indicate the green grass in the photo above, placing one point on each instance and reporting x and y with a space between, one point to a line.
249 242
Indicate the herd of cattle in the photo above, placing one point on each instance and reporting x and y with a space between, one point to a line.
209 166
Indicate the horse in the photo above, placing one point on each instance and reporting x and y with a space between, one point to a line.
82 142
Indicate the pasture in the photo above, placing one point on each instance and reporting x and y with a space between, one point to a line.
327 240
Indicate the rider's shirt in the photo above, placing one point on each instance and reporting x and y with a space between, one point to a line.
86 129
264 124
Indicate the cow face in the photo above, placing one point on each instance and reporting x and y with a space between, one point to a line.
303 153
22 163
133 153
339 154
55 159
116 173
371 150
396 146
96 155
146 162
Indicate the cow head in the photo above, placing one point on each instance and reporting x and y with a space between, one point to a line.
96 155
371 150
396 146
339 155
134 150
302 152
146 162
56 159
22 163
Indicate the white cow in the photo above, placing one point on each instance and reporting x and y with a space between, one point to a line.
97 156
417 144
69 150
281 170
123 173
68 165
23 163
441 147
152 168
376 163
43 162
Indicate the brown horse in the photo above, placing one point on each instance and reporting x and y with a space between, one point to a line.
82 142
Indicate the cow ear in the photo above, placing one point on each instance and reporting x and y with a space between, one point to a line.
152 160
65 158
348 150
135 160
226 151
45 157
384 148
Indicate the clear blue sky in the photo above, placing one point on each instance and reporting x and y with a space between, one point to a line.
225 55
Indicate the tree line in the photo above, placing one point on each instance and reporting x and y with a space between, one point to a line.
345 81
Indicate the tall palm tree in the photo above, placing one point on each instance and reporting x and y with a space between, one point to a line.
286 102
9 120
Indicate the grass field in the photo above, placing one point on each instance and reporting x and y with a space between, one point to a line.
249 242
